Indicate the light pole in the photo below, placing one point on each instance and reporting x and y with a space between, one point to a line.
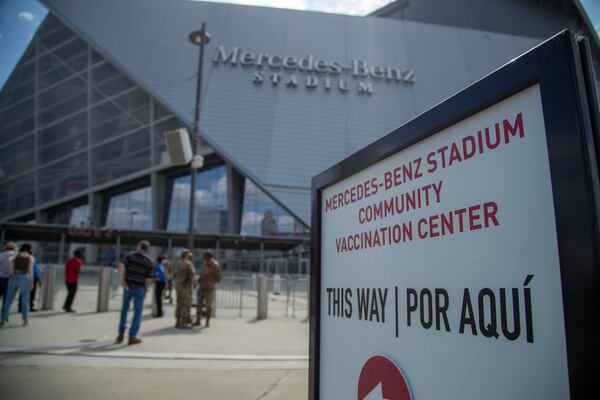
199 38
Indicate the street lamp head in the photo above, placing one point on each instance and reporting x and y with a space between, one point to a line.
199 38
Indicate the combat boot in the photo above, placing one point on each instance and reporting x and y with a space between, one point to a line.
185 325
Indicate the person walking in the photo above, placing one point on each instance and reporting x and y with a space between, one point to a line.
72 270
10 250
160 280
184 275
21 279
136 271
209 277
36 281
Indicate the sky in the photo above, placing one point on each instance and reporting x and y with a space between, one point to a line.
19 20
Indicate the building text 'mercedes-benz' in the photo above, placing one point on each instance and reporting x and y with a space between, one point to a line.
332 71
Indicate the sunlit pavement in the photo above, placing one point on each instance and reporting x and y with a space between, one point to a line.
73 356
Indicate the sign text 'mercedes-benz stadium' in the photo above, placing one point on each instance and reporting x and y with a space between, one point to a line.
313 72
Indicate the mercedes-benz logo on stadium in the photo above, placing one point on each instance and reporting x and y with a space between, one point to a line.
381 379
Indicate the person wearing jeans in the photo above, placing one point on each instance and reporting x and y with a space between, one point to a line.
21 279
10 250
136 294
136 272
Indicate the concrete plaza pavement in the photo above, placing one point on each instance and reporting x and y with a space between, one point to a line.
73 356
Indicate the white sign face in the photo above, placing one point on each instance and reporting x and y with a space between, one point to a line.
440 273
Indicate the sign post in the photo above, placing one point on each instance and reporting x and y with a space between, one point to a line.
457 257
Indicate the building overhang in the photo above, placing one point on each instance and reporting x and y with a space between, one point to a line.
83 235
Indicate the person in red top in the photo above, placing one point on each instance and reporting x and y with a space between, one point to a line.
72 270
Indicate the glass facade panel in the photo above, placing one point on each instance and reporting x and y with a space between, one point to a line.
262 216
20 85
18 194
62 63
118 123
108 82
51 38
121 157
63 178
211 202
62 100
14 131
62 139
122 114
16 121
131 210
96 57
16 158
18 93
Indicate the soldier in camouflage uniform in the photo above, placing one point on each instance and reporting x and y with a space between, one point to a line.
209 277
184 275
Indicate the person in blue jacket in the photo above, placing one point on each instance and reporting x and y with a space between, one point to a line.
160 280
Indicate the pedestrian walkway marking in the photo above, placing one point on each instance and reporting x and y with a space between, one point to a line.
81 351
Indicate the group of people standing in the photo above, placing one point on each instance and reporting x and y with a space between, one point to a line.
18 272
184 275
137 272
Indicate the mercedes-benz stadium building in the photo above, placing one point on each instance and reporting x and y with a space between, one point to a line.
286 94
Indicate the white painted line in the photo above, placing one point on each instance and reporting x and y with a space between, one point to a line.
79 351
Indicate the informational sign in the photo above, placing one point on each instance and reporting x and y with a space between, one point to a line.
440 272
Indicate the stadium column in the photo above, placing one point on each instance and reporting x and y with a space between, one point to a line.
235 199
158 183
96 202
235 207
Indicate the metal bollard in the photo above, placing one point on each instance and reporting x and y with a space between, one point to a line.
262 302
103 289
48 287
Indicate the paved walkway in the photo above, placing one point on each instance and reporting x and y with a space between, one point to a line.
73 356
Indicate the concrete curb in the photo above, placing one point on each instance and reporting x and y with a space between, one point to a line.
80 351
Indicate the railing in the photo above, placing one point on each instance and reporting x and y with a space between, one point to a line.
287 294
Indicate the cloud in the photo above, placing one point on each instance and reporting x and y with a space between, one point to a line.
26 15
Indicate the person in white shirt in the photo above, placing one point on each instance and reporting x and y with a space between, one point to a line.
10 250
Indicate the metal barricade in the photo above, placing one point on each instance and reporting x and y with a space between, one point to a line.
286 295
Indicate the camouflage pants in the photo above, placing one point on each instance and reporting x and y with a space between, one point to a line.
184 303
206 299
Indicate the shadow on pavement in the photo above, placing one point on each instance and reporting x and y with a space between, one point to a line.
45 314
169 330
256 320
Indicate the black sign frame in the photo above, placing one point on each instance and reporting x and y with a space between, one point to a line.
556 66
